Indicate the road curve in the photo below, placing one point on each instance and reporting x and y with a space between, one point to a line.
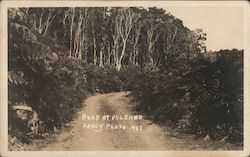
97 132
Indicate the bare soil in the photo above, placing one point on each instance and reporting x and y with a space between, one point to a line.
148 136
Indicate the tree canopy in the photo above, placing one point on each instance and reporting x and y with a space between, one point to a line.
115 36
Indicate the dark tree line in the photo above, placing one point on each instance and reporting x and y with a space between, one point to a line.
114 36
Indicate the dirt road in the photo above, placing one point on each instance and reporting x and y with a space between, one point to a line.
93 130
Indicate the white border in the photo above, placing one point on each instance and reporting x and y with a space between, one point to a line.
4 88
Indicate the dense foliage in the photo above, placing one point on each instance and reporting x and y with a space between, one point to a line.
112 36
53 86
207 100
59 56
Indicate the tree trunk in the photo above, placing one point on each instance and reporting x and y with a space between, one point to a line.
71 34
122 55
94 44
131 56
101 59
40 27
109 56
134 55
150 52
136 40
118 66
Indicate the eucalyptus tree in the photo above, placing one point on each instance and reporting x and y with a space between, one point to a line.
153 20
41 19
124 19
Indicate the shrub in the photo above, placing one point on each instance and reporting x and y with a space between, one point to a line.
217 95
205 100
102 80
53 86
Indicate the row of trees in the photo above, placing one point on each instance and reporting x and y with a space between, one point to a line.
114 36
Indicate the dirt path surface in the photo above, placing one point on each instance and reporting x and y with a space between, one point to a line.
148 135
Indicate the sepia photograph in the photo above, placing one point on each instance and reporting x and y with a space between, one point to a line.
124 77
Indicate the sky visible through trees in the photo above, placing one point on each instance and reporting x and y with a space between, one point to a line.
224 25
115 36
